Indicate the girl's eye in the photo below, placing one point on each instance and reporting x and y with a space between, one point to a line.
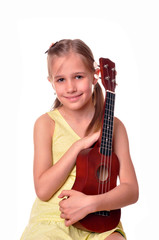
79 77
60 80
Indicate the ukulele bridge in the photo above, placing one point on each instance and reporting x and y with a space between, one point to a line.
102 213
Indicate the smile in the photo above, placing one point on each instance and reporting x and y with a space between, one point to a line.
73 98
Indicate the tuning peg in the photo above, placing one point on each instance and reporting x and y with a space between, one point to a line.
96 76
106 66
95 65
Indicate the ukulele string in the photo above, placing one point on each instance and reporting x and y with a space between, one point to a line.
105 163
102 162
110 135
108 130
111 144
101 174
108 144
106 155
100 183
112 115
110 112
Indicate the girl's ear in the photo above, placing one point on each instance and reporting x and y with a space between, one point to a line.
96 76
50 80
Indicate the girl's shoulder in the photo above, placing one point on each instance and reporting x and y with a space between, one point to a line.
119 130
44 124
120 138
118 125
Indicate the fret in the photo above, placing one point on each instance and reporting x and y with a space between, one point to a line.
110 107
107 136
107 130
108 126
106 152
105 149
109 111
109 147
107 122
107 140
108 116
110 103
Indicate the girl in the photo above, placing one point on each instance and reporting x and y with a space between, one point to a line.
59 135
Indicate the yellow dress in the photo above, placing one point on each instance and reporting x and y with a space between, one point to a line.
45 222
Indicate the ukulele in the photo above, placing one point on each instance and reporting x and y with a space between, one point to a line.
97 167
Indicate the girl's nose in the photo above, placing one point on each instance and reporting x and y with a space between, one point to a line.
71 86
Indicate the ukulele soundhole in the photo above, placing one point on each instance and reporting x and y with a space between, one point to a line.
102 173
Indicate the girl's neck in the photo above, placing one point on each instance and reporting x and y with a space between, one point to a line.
81 117
84 113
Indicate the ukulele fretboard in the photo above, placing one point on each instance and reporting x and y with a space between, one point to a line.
107 132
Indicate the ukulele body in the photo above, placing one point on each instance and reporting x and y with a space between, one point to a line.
90 164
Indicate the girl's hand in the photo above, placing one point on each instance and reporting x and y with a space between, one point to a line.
74 206
88 141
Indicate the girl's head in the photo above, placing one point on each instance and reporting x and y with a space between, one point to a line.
65 47
62 50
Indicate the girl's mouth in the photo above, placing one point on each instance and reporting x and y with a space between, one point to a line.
73 98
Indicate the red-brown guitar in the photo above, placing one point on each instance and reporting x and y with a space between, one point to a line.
97 168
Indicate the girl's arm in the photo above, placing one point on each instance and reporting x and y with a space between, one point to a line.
78 205
48 178
127 192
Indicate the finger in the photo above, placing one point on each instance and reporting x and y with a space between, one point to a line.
97 135
65 193
61 203
61 195
69 222
62 215
61 209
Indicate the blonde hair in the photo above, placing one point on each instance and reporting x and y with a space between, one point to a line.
64 47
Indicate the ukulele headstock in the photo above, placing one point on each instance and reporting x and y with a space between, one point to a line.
108 73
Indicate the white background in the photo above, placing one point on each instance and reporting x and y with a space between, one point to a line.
124 31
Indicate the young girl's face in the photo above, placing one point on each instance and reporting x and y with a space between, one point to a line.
72 81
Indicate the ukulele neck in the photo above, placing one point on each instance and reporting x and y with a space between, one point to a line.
108 120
